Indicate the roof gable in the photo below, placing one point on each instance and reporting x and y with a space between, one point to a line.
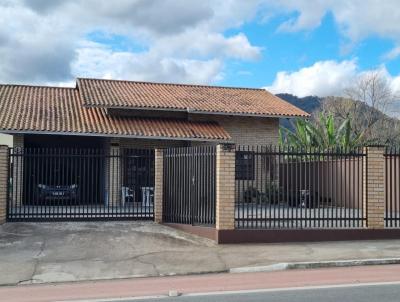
26 109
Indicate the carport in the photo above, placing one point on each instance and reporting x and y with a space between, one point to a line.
57 174
83 178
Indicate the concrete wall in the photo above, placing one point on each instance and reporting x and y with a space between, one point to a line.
330 182
6 139
392 183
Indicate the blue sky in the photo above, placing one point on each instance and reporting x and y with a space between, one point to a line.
291 51
287 51
304 47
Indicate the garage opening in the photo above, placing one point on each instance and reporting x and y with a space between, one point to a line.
80 179
71 172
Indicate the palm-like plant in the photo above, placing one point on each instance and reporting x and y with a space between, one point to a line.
322 134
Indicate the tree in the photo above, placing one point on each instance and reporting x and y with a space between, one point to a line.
321 134
367 102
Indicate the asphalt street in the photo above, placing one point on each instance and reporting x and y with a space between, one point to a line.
364 293
363 283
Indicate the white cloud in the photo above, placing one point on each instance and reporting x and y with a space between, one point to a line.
98 61
322 79
325 78
310 15
392 54
395 84
203 44
356 19
44 41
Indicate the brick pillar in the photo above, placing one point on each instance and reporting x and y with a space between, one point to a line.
158 185
114 173
3 182
225 187
374 187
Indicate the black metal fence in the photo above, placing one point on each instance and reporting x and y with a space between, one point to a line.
392 187
298 188
189 185
80 184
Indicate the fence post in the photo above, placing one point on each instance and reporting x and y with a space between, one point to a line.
225 187
3 182
374 187
158 185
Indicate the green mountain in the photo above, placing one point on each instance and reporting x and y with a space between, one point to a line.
308 103
386 130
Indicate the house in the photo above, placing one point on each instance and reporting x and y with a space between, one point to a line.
98 112
123 118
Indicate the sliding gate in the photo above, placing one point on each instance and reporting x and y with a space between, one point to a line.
48 184
189 185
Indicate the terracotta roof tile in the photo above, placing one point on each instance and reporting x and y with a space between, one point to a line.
53 109
194 98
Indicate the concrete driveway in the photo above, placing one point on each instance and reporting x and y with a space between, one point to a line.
72 251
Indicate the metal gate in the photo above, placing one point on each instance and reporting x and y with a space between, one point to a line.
189 185
392 187
48 184
295 188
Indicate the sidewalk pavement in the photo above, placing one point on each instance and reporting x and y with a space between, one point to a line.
65 252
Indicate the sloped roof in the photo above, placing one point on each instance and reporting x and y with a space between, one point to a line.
60 110
191 98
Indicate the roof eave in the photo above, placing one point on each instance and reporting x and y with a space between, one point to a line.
193 111
197 139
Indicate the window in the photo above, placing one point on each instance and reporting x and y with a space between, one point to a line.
244 165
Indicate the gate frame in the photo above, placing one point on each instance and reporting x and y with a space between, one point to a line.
86 211
192 203
225 189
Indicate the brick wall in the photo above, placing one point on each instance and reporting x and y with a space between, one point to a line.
3 182
374 187
158 186
225 188
246 130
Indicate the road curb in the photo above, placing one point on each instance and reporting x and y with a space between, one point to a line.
316 264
